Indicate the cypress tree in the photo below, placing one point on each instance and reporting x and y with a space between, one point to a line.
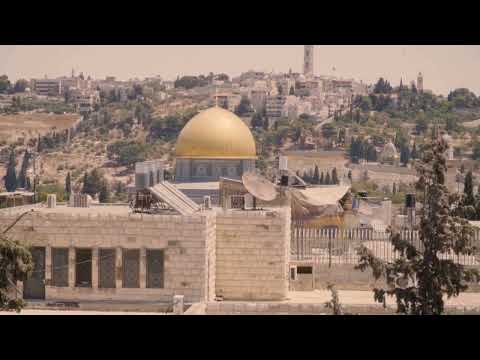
322 179
22 182
394 188
334 176
429 276
327 179
104 195
28 184
86 184
469 199
316 176
68 184
11 176
414 154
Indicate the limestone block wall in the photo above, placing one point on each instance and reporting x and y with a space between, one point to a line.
252 254
188 243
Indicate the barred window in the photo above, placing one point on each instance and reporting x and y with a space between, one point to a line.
106 268
60 267
131 268
155 269
83 267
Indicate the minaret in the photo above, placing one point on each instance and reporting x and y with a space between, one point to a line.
420 82
308 61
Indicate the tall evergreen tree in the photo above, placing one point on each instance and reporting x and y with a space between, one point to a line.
322 179
414 154
316 176
28 184
104 195
327 179
22 177
11 176
394 188
404 155
68 185
334 176
427 276
469 199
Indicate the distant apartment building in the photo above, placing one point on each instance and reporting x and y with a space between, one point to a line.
258 99
227 101
47 87
274 106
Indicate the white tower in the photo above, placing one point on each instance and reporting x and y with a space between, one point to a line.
420 82
308 61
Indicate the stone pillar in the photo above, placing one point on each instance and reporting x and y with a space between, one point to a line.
118 269
48 265
178 304
143 268
71 267
95 268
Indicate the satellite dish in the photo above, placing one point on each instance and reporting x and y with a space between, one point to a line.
259 187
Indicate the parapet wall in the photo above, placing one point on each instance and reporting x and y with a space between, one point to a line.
252 254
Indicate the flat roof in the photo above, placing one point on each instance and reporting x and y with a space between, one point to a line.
94 209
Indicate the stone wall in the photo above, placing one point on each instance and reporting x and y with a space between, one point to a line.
188 243
252 254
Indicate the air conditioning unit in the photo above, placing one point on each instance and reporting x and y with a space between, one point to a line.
248 201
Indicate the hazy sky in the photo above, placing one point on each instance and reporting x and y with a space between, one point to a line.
444 67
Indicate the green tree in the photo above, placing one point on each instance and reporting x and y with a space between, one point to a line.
414 154
11 176
20 85
334 176
244 107
292 91
316 176
28 184
394 189
421 124
327 179
476 151
257 120
22 177
15 265
322 179
404 155
420 278
68 184
329 131
93 182
266 124
469 199
5 84
104 195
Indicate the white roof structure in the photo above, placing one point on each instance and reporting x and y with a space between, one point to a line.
325 195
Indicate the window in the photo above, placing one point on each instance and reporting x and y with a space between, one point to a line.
83 267
304 270
59 267
106 268
131 268
155 269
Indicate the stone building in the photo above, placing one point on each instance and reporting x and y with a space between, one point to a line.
109 253
214 143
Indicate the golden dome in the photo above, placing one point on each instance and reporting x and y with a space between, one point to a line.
215 134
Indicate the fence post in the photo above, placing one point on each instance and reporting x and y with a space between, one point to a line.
329 249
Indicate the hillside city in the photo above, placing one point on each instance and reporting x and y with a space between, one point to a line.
345 159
